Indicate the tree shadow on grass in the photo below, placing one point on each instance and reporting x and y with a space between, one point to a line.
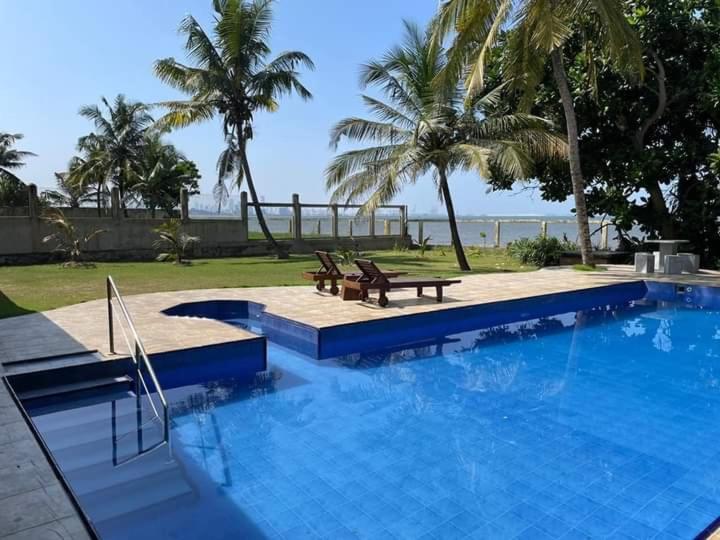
8 308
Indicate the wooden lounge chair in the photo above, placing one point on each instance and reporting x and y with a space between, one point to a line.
329 271
373 278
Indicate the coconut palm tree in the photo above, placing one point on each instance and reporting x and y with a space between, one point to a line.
116 145
537 30
10 158
163 172
421 130
232 77
89 170
68 193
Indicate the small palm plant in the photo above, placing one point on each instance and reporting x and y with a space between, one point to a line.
424 246
69 241
174 241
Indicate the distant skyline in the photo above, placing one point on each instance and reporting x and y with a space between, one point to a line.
69 54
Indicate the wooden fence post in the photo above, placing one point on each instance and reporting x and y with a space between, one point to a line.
421 232
350 231
497 234
544 229
371 224
297 217
387 228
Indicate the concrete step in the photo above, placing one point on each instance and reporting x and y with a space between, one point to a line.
72 388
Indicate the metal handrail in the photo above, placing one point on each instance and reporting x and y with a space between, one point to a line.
137 353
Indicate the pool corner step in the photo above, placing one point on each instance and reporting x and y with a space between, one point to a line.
72 388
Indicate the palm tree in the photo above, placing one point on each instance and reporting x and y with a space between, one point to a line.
13 191
163 172
89 170
422 130
10 158
68 193
537 30
233 77
116 145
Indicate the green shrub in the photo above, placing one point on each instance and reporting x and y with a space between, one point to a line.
540 251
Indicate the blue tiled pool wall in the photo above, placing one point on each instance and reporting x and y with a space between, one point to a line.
252 316
237 359
695 296
378 335
348 339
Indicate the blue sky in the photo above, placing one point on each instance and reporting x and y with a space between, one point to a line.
67 54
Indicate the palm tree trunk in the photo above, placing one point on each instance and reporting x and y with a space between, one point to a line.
576 175
99 201
280 252
454 233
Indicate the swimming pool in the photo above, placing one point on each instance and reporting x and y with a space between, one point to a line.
599 422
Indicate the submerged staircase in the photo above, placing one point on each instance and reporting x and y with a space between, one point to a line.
111 451
107 426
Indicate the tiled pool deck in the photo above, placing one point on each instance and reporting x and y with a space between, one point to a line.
32 501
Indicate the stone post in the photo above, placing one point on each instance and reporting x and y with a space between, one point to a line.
604 241
421 232
386 227
33 206
115 210
184 205
371 224
404 221
334 220
297 217
244 214
497 234
544 229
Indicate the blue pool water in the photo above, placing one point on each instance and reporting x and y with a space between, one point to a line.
590 424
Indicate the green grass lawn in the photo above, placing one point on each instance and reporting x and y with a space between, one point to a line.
25 289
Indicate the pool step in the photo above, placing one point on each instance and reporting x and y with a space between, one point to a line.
99 476
102 429
43 363
63 389
100 450
80 412
119 499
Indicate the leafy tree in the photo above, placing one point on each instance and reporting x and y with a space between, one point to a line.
163 172
116 145
647 149
538 31
233 77
423 130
